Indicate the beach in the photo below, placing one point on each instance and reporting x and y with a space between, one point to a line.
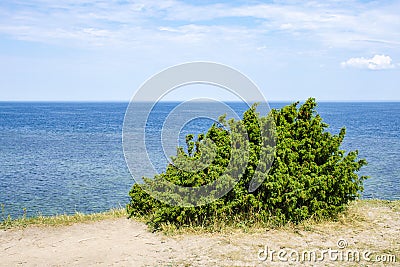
369 227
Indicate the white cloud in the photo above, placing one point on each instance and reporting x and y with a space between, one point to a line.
280 24
377 62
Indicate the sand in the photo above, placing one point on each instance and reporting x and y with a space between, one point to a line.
123 242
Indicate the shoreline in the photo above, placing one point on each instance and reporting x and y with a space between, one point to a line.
10 223
368 225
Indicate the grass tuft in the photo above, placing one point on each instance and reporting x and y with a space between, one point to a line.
60 220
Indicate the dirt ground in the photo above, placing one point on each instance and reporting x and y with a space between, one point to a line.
372 232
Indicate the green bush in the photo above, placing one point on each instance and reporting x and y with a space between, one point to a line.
310 175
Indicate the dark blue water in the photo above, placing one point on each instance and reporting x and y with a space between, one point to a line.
67 157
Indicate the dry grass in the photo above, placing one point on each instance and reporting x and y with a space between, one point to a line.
354 216
61 220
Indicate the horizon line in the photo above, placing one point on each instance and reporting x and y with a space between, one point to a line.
174 101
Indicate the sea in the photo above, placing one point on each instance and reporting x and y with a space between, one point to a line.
67 157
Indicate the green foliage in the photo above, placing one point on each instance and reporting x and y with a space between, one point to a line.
310 175
5 220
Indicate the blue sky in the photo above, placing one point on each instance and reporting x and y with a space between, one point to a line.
104 50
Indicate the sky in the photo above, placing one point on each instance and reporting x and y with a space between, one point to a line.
105 50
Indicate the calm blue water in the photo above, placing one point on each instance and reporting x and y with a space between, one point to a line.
67 157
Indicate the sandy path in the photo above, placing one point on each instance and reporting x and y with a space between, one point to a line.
122 242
